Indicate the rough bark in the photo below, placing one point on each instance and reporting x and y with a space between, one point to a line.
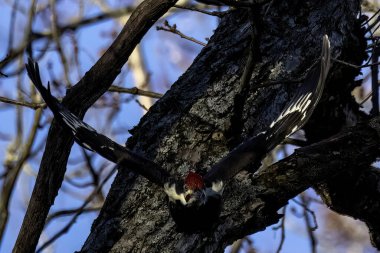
202 117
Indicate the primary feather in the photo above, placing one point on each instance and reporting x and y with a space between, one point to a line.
298 111
89 138
293 117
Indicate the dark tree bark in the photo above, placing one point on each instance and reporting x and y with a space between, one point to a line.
204 115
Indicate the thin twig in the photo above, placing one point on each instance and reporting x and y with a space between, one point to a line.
57 39
375 83
70 181
113 88
309 227
31 105
307 209
369 20
141 105
219 14
73 26
79 211
355 66
13 172
366 98
94 174
371 26
12 25
68 212
87 21
138 68
135 91
282 226
173 29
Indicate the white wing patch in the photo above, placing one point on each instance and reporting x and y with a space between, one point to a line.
300 106
107 147
217 187
173 195
86 146
73 122
68 122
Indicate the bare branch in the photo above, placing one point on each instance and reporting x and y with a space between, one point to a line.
113 88
78 211
14 170
30 105
173 29
135 91
211 13
282 227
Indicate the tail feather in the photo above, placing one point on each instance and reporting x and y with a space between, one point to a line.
34 75
61 113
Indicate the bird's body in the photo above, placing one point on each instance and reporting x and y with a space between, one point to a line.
195 206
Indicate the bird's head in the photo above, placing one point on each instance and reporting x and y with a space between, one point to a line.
193 204
194 187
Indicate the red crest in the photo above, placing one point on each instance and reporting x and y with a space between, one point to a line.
194 181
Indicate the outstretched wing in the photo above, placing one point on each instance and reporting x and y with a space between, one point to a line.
248 152
292 118
300 108
87 137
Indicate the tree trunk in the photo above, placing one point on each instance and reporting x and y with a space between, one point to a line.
205 115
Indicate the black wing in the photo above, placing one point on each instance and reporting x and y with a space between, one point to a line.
250 151
87 137
300 108
292 118
211 2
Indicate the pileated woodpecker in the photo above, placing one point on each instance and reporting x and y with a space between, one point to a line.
195 202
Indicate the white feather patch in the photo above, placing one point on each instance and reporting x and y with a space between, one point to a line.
73 122
87 146
218 187
300 105
173 195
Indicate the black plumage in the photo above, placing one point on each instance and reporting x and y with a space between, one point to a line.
89 138
292 118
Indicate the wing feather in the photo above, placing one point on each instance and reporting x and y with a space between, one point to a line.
293 117
89 138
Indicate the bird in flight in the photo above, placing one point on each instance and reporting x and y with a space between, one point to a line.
195 202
